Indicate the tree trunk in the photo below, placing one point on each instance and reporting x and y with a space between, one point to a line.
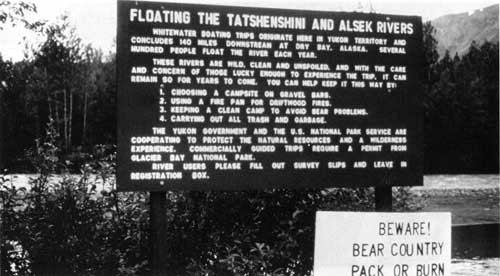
58 119
84 130
70 118
49 100
2 134
65 113
50 106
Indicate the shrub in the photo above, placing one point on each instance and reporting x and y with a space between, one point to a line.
62 225
79 225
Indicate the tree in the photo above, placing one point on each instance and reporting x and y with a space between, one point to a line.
67 69
12 13
431 55
18 12
461 111
5 75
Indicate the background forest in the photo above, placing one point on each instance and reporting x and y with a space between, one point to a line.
58 115
74 84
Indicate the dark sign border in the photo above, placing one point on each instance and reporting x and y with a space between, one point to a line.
269 179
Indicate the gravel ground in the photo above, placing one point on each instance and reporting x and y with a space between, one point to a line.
469 198
436 183
480 267
461 181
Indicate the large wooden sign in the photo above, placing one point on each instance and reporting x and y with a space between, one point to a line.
216 97
382 244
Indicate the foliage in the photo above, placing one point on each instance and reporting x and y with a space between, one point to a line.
66 80
461 112
65 226
74 231
78 225
15 12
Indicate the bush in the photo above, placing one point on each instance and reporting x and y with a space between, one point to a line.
79 225
62 225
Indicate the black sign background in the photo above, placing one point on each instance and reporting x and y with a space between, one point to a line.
138 108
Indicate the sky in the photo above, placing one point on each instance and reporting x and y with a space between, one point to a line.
95 20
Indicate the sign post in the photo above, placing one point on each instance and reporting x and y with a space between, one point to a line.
158 228
383 199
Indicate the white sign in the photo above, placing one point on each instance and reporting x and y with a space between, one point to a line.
382 244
